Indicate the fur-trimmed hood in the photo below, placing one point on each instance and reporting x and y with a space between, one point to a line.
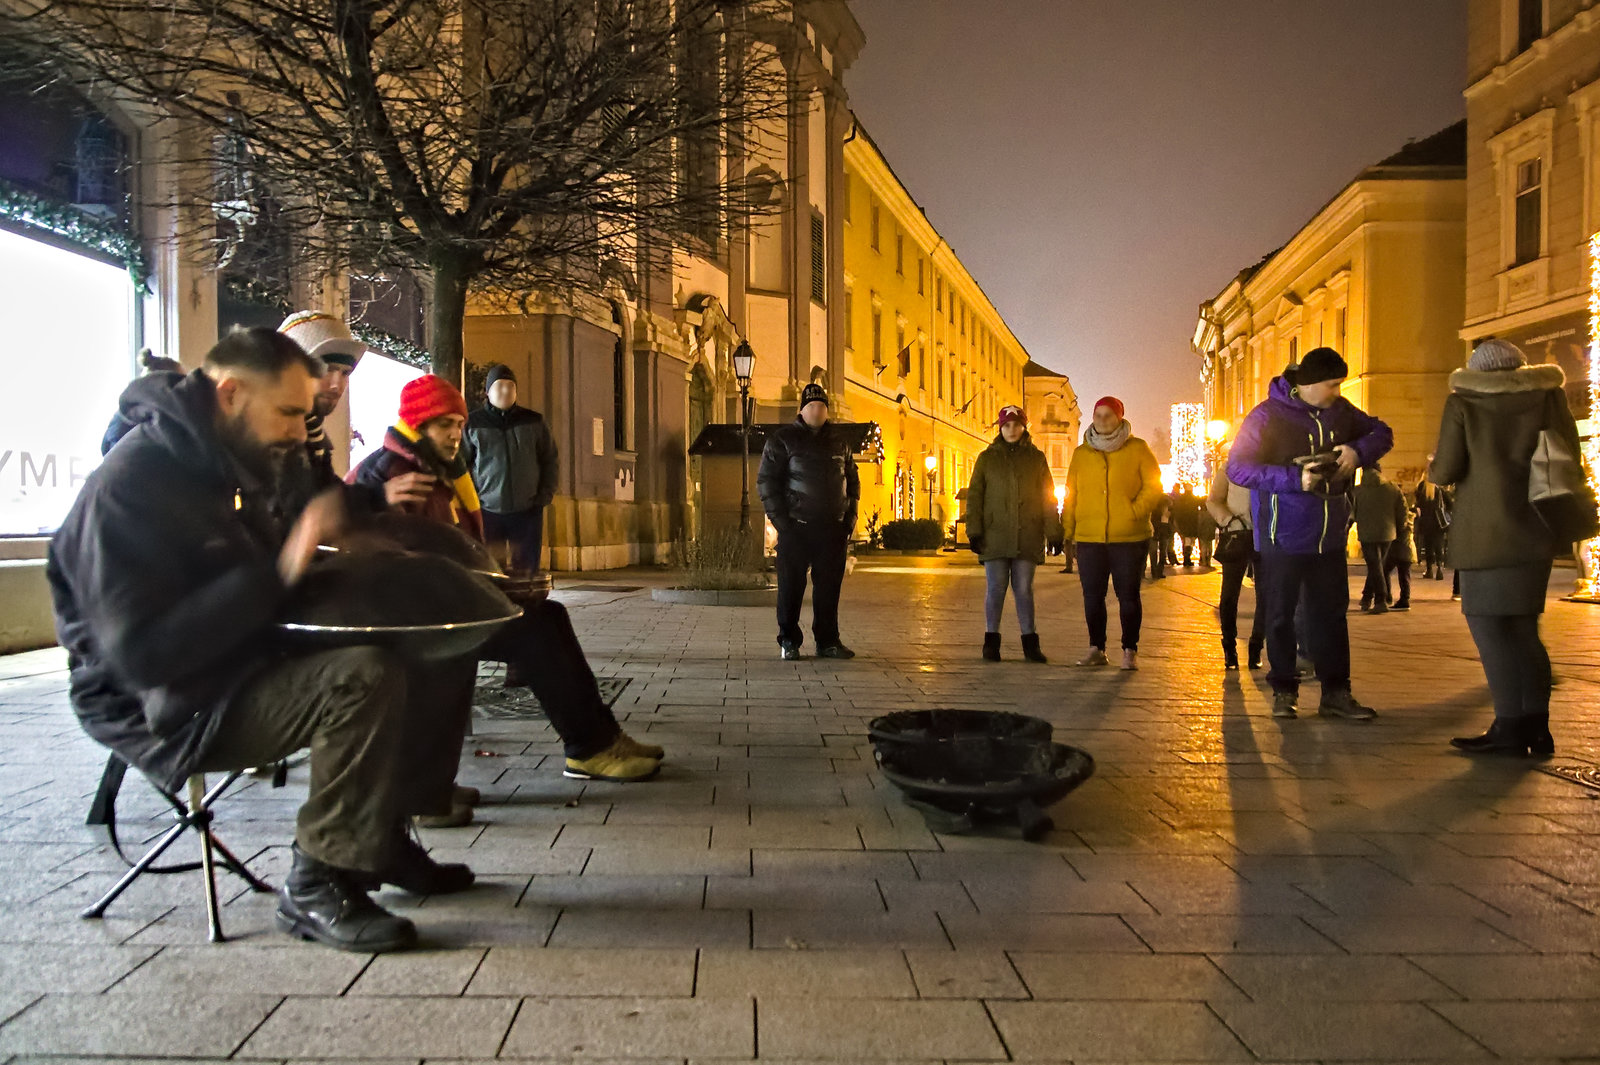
1500 382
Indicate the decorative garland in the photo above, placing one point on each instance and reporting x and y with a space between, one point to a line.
253 290
397 348
111 240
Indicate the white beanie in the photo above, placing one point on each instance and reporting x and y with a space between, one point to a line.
324 336
1495 354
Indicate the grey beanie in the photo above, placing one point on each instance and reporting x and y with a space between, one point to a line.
1494 354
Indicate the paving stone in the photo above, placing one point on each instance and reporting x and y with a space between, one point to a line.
1139 977
580 1029
44 967
647 928
1293 978
1346 1031
866 1029
145 1025
1510 1029
1499 976
1050 931
419 972
1409 935
798 892
851 930
365 1027
1220 934
1063 893
612 892
614 972
784 973
973 974
243 969
1115 1031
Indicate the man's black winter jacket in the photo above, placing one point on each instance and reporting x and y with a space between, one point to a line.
809 475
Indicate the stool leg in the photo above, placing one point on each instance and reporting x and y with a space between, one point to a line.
149 859
202 816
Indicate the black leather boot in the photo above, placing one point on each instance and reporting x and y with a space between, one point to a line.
410 869
323 903
991 646
1519 737
1230 655
1255 655
1030 648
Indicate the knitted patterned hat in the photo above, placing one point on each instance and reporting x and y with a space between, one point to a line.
324 336
1495 354
813 393
428 397
1012 413
1109 401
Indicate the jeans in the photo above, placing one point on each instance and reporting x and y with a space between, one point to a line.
385 738
1228 607
1432 545
1402 570
1325 583
1018 573
1160 550
540 649
819 548
1376 589
1515 662
523 530
1121 565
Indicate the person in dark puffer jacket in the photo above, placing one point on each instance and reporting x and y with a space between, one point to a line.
513 456
810 490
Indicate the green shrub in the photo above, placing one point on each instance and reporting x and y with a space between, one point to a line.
913 534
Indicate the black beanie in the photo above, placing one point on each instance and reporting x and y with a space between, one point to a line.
813 393
1321 364
498 372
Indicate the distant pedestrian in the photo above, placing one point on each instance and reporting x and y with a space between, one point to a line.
1011 521
1228 507
1297 452
810 489
1402 554
1432 522
1208 535
1376 502
1113 485
1499 546
1160 537
514 463
1186 521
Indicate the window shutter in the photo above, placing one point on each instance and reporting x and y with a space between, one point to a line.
819 260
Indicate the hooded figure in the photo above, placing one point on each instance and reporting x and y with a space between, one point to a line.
1011 520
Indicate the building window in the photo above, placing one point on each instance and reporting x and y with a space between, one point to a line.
922 365
877 337
938 293
1338 329
1530 23
873 227
1530 211
849 319
902 354
1294 349
622 424
941 378
819 260
844 198
919 275
899 255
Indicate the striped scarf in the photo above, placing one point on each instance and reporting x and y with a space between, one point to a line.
454 473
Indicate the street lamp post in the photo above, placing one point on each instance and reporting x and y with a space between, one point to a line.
930 464
744 363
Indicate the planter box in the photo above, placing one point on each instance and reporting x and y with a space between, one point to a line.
766 597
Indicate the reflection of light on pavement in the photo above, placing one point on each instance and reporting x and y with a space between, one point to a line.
931 571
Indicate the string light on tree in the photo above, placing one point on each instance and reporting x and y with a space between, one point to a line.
1589 551
1189 443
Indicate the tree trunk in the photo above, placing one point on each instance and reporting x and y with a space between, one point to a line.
449 316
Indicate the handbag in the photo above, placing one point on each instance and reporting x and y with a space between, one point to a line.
1559 491
1234 544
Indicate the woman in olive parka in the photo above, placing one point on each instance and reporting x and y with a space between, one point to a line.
1011 520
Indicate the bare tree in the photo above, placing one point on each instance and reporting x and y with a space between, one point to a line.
499 147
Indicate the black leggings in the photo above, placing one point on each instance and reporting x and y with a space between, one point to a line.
1233 574
1515 662
1120 565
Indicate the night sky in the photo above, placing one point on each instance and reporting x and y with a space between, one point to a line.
1102 166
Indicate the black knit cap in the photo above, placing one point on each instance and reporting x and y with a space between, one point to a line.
813 393
1321 364
498 372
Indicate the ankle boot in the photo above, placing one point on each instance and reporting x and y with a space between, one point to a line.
1030 648
1230 655
1255 655
991 646
324 903
1518 737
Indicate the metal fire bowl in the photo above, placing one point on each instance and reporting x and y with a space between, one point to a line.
990 771
928 726
430 642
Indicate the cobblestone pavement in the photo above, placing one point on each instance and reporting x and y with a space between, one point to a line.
1226 888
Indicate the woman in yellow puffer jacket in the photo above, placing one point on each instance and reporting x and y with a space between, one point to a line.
1113 484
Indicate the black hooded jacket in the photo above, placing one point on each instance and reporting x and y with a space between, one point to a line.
164 580
809 475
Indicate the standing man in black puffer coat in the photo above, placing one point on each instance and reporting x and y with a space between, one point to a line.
810 490
512 455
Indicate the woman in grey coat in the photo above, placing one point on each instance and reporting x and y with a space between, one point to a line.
1499 546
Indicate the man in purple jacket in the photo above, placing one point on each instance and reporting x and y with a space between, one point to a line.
1297 452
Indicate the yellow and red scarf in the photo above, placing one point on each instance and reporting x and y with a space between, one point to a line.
465 507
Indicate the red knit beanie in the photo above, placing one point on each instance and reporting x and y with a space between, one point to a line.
1109 401
429 397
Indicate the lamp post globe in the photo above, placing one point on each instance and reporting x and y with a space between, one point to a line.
744 364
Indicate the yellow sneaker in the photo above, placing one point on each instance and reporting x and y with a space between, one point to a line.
613 763
630 746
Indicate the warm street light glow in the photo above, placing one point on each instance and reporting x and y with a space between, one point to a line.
1216 430
744 363
930 463
1061 498
1589 551
1188 443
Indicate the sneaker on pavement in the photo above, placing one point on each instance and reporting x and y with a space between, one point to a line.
1380 608
612 764
1341 703
835 650
1283 704
1130 660
1402 605
632 747
1095 657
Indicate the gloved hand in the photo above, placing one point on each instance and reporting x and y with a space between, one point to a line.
976 543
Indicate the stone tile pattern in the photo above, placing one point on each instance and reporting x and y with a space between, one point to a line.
1226 888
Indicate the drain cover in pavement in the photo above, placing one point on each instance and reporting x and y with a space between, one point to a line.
1586 775
495 702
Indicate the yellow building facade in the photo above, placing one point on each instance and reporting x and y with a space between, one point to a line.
926 354
1055 418
1376 275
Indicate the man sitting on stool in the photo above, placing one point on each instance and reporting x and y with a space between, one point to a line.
166 577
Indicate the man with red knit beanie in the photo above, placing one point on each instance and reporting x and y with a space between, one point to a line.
540 649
